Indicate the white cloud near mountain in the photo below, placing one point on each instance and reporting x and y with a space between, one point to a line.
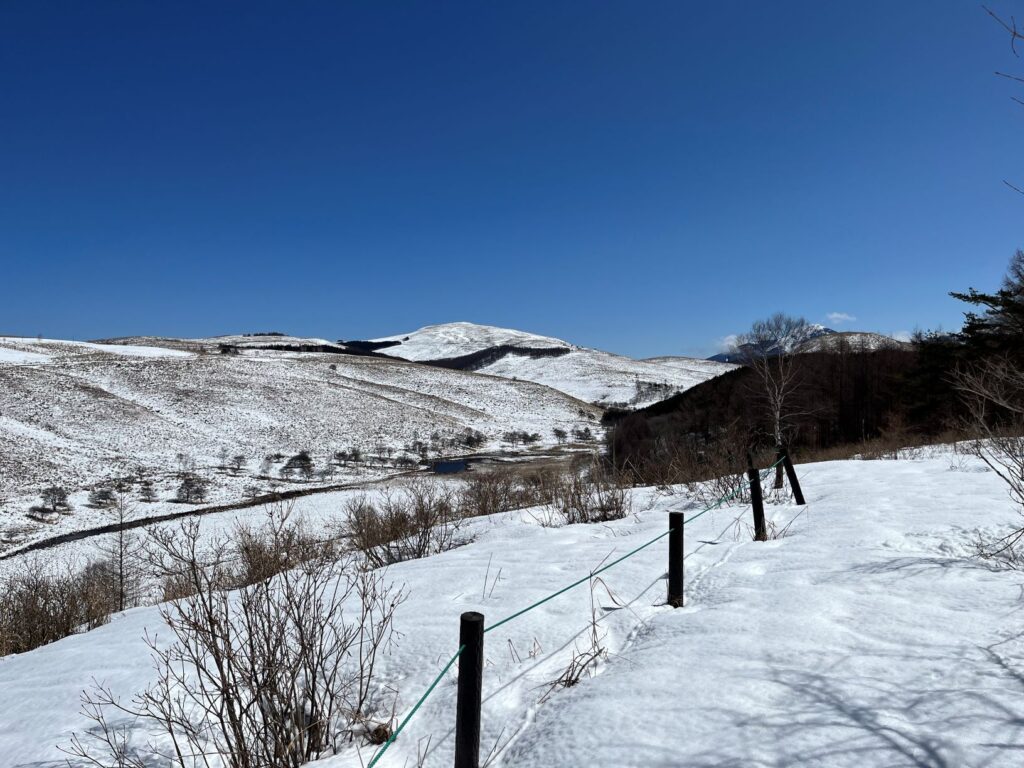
838 318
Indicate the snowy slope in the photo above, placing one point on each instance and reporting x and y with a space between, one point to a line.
74 414
588 374
434 342
869 636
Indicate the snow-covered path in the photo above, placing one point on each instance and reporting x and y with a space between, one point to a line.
868 636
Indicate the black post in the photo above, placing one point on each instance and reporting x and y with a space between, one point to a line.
778 467
756 501
675 559
791 474
471 679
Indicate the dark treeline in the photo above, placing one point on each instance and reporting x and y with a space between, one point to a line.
845 397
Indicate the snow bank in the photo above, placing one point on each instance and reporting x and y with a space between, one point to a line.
869 635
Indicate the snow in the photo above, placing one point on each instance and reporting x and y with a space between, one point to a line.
869 634
9 356
23 350
608 379
88 415
590 375
435 342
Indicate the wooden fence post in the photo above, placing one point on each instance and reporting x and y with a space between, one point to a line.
675 560
470 690
794 483
756 501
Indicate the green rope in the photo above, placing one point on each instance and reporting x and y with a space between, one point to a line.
619 560
733 495
576 583
541 602
398 730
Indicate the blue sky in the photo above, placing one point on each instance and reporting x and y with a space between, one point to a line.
641 177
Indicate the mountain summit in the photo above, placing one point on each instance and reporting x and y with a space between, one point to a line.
598 377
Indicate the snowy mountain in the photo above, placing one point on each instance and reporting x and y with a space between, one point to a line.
854 341
818 338
448 340
587 374
75 413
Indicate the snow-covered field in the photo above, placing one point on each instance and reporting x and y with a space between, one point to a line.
870 635
587 374
74 414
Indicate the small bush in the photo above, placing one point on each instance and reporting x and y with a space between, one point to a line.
592 496
39 607
418 520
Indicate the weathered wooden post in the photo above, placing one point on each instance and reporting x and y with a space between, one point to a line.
470 690
675 559
794 483
756 500
779 454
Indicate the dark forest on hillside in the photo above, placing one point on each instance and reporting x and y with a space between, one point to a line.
843 397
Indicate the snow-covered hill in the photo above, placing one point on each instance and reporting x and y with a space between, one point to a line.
869 635
588 374
435 342
817 338
854 341
75 413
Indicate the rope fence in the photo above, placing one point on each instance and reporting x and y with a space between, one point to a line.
755 479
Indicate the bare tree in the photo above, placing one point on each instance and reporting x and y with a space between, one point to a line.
279 673
768 349
122 554
1016 37
993 391
55 497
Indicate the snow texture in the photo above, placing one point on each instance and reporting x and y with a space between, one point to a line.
870 635
87 412
588 374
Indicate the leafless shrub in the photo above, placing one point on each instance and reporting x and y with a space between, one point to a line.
185 562
502 489
278 673
278 544
993 392
590 496
38 606
419 519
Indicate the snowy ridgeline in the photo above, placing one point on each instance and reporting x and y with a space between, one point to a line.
869 635
588 374
74 414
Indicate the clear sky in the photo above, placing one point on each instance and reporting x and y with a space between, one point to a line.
643 177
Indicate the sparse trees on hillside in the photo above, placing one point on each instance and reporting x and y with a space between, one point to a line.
192 489
560 435
55 498
265 466
102 497
147 493
301 464
582 435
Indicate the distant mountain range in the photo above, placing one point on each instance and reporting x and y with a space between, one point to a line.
815 338
591 375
